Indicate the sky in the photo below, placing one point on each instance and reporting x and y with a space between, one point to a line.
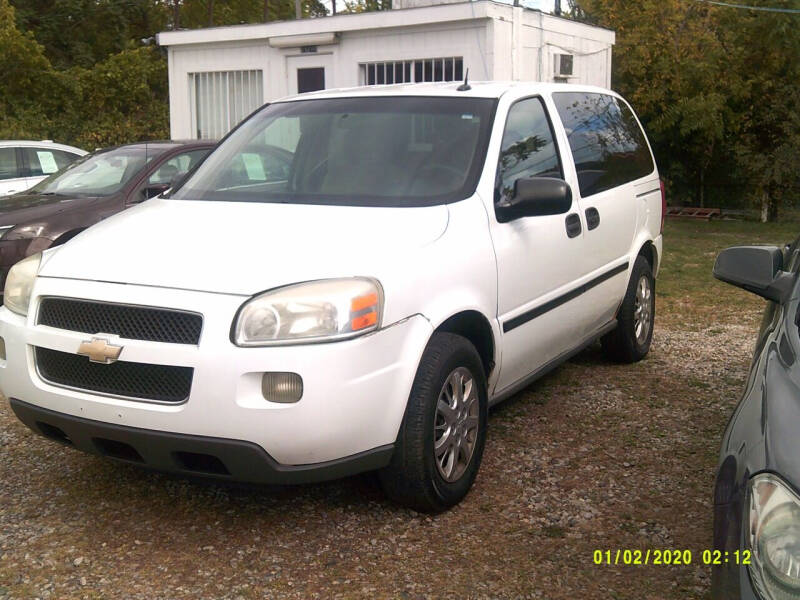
543 5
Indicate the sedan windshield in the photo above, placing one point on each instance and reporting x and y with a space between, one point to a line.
386 151
102 173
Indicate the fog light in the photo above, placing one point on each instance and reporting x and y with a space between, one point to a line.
282 387
2 349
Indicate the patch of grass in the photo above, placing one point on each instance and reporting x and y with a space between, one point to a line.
687 292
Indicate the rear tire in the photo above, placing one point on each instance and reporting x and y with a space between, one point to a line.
441 440
630 341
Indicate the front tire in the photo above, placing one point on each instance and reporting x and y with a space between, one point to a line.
630 341
441 440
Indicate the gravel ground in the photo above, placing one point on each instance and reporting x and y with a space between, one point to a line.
594 456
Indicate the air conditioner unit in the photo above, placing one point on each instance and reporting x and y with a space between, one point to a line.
563 65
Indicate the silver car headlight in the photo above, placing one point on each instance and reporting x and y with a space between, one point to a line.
774 538
19 284
317 311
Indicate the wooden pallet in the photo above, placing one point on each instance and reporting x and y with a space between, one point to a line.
693 212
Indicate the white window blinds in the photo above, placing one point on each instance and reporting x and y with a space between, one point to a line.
219 100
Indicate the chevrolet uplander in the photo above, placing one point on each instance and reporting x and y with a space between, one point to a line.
347 283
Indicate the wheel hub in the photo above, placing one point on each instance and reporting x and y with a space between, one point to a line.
455 429
643 309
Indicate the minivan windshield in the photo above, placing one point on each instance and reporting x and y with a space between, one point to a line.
366 151
102 173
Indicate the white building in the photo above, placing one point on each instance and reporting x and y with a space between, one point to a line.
218 76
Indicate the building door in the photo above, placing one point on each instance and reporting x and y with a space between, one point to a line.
309 73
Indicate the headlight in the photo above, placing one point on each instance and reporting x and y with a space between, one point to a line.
326 310
19 284
774 538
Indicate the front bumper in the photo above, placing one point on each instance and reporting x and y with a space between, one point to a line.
354 398
189 454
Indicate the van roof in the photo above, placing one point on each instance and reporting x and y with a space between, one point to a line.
478 89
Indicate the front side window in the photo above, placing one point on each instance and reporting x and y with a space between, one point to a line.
177 166
398 151
528 148
607 142
100 174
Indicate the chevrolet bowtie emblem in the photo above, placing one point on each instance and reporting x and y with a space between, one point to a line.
100 351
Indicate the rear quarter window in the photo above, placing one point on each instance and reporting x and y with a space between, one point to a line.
607 143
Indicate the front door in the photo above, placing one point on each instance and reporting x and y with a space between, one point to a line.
309 73
540 259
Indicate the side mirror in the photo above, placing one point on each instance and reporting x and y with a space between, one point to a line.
757 269
535 197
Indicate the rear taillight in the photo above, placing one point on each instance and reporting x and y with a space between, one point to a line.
663 204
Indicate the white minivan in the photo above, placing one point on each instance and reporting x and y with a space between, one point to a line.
347 283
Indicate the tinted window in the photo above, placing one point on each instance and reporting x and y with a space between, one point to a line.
45 161
399 151
8 163
607 143
528 149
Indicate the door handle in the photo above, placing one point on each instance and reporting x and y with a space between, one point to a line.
592 218
573 223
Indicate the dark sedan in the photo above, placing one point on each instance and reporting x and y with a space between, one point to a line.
757 492
92 188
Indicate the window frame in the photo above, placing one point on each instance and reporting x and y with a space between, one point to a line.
550 124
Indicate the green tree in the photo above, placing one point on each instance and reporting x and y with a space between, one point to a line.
763 64
192 14
666 63
29 86
121 100
358 6
84 32
716 89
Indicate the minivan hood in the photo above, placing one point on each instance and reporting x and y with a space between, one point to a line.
243 247
21 208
